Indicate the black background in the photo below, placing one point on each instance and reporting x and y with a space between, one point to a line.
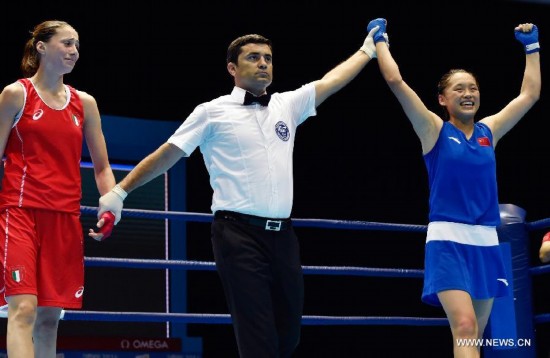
358 159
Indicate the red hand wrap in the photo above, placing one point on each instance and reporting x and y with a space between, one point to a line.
108 224
546 237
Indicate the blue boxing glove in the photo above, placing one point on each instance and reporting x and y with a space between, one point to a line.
379 35
529 39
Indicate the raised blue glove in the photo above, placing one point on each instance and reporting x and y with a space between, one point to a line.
528 39
379 35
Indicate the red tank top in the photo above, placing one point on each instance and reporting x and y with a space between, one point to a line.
43 152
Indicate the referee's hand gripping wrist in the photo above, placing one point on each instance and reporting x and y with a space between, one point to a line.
113 202
368 46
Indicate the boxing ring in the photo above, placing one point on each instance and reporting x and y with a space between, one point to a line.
397 322
513 234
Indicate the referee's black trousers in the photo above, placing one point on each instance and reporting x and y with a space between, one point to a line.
262 277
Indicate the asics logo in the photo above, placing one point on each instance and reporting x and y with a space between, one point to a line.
36 116
455 139
79 292
503 280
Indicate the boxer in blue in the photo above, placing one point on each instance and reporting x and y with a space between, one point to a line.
464 270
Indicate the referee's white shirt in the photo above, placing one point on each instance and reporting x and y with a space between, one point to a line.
247 150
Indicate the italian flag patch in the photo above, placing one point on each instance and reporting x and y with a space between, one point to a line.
16 275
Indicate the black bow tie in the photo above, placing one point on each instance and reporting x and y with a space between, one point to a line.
249 98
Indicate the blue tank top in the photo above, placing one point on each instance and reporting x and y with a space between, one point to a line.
462 177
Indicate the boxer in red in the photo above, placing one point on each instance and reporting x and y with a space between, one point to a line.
43 123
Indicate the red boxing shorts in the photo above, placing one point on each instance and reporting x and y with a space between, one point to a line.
42 254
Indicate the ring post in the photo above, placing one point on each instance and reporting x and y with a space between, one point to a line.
511 330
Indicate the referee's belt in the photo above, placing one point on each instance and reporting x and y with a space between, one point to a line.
264 223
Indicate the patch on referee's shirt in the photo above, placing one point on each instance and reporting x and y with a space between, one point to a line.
282 131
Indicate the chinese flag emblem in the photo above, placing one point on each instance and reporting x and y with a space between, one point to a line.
484 141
